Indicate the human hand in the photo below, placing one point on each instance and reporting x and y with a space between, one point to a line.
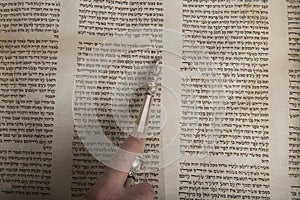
111 185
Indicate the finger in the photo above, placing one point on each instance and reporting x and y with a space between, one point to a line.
116 174
141 191
133 144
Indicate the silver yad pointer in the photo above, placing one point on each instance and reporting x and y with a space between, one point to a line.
142 122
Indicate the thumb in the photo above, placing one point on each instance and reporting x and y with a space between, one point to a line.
141 191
